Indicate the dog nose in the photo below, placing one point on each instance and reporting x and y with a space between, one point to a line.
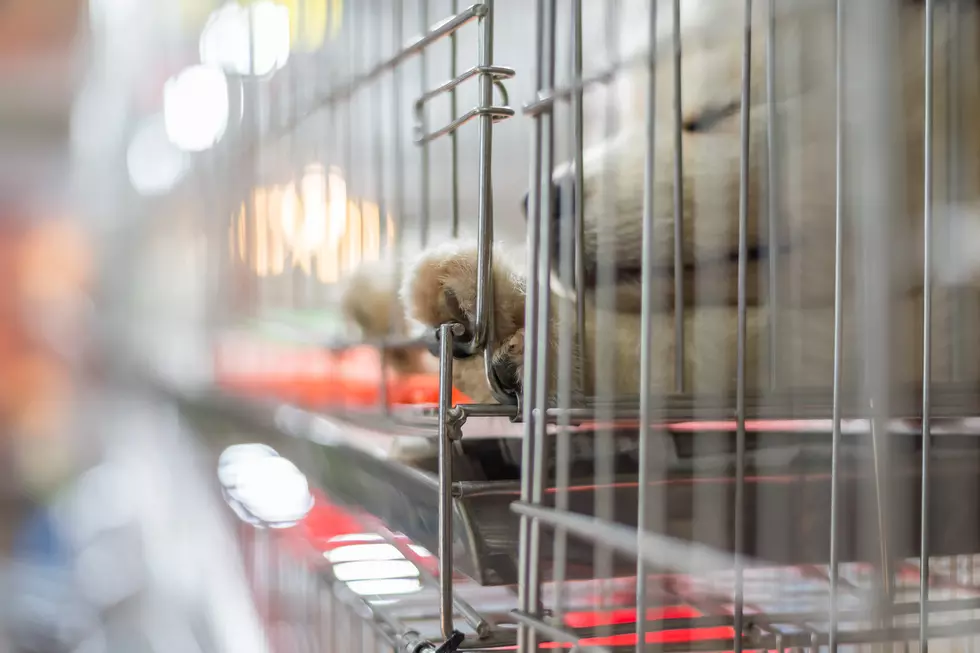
562 216
562 200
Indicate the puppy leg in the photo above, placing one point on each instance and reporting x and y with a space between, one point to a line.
369 301
441 287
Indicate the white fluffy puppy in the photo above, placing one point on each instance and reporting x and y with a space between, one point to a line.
440 285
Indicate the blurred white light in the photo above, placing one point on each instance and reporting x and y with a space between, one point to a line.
337 189
225 38
356 537
375 570
229 462
195 107
360 552
272 489
386 587
304 210
154 164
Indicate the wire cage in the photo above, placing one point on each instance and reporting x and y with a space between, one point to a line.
722 398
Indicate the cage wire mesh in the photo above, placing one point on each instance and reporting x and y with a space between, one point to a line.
714 390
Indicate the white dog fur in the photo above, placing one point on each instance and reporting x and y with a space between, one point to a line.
441 284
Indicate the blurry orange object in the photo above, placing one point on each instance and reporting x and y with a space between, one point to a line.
35 28
314 377
55 263
44 276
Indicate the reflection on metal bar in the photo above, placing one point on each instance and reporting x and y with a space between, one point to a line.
447 433
678 204
838 322
926 324
740 381
644 518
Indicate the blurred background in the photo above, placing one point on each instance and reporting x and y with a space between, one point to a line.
179 196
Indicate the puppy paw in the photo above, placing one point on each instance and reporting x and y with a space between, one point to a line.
441 287
508 361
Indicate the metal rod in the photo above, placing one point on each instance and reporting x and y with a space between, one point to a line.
578 188
453 141
678 202
497 72
467 611
398 183
546 131
425 209
483 328
659 552
926 326
528 570
547 99
606 318
953 173
553 633
873 27
772 203
447 434
494 113
568 375
838 323
743 217
644 517
379 189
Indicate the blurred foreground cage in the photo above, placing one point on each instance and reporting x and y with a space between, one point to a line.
777 451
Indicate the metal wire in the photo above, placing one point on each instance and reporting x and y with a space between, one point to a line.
926 325
425 205
646 515
838 322
447 433
740 380
678 206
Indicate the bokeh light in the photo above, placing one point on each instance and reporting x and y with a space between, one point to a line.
195 107
249 40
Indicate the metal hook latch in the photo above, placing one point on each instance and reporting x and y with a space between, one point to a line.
450 645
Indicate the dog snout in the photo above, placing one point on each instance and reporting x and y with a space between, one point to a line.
562 216
562 200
